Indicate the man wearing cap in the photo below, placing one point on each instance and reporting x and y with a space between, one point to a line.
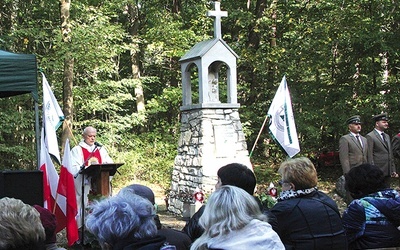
380 148
353 147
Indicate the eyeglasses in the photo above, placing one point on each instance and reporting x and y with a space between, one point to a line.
282 182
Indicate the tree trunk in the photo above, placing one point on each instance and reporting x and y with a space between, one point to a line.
254 37
67 99
68 75
135 59
273 28
176 6
385 67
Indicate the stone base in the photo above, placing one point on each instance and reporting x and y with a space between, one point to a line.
210 139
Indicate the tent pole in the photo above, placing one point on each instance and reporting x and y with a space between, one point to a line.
37 133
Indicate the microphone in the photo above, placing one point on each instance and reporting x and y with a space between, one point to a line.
98 144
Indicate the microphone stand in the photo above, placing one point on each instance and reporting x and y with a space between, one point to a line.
83 193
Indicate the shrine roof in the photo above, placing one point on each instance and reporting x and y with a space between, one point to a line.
201 48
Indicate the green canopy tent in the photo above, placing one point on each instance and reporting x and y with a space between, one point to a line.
18 75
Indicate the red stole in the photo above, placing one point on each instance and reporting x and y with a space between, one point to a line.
95 157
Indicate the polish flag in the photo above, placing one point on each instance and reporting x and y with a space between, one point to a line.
66 190
50 182
52 119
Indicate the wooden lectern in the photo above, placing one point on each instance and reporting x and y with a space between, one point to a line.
100 174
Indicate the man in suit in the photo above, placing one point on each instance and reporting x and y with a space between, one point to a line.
380 148
396 149
353 147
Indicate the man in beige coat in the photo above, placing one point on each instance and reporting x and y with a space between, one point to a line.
353 150
353 147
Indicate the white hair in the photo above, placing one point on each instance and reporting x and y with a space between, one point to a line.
228 209
20 225
116 218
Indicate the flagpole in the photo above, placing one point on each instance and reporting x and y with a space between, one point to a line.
55 203
258 136
72 134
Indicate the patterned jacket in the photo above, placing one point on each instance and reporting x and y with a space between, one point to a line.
373 221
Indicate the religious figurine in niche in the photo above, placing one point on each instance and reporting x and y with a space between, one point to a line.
213 87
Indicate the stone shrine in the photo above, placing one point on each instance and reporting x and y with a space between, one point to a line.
211 134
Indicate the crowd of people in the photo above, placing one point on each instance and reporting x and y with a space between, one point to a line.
232 218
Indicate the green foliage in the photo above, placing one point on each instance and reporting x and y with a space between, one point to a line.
267 201
165 106
340 59
266 173
17 133
149 158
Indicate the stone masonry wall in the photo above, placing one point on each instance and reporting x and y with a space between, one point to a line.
209 139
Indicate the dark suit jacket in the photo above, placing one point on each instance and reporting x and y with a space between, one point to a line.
379 153
396 146
351 154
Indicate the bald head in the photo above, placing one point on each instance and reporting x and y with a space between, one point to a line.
89 135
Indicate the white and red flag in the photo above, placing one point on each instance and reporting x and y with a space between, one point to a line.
50 182
66 190
52 119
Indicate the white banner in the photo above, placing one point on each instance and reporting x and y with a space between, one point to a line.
281 121
52 119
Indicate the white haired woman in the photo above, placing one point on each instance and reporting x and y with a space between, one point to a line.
20 226
232 220
119 223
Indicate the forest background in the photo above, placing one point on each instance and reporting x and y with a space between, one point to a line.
114 65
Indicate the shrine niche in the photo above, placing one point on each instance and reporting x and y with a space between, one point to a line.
208 57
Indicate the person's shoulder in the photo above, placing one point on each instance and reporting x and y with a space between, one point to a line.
344 137
170 232
177 238
322 195
396 136
80 145
284 205
199 212
196 216
76 149
370 134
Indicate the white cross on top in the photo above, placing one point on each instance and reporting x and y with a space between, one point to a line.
217 13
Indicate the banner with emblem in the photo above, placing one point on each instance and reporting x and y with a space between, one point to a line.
281 121
52 119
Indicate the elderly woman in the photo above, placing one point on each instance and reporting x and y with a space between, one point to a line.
20 226
372 220
307 218
121 223
232 220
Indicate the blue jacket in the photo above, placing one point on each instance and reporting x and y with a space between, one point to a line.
373 221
